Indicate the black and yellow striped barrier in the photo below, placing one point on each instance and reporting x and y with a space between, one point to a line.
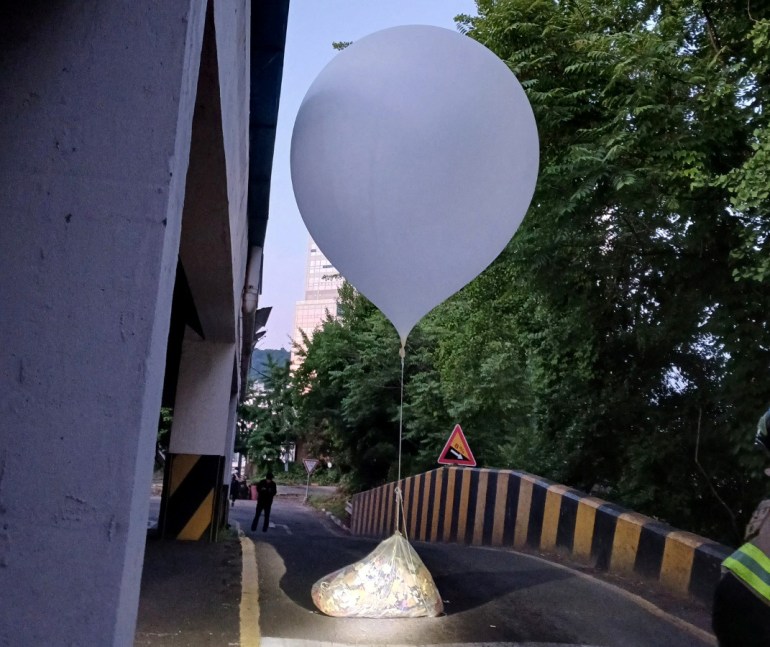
191 495
485 507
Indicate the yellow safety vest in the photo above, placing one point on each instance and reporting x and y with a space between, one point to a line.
750 565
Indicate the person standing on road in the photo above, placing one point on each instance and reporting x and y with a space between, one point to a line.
741 614
235 487
266 490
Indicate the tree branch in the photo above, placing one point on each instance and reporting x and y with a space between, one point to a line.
708 478
716 43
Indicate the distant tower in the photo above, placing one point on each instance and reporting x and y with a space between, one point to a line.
322 283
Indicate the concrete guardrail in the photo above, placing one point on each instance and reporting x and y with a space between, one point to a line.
487 507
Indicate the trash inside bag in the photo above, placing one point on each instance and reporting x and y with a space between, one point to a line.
390 582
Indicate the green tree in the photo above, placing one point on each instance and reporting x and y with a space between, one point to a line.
348 386
267 418
620 343
635 340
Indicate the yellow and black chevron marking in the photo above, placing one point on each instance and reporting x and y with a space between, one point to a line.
515 509
190 494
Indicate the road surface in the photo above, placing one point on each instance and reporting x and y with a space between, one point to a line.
492 596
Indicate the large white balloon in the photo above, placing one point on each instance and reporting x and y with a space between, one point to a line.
414 158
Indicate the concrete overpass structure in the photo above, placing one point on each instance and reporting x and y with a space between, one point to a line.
135 155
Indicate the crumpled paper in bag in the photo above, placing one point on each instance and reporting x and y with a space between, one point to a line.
390 582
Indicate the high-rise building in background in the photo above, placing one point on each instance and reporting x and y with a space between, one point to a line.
322 283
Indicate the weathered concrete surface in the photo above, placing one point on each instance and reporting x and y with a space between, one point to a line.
97 102
202 410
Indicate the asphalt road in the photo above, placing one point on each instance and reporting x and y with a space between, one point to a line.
492 596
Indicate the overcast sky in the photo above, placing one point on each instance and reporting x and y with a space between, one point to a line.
313 26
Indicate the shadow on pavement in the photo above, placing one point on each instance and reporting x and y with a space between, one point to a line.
190 593
465 589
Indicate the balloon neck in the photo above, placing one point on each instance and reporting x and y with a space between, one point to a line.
402 351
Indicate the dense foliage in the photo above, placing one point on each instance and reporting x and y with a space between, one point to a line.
267 418
620 343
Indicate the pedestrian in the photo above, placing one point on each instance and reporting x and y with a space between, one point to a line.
741 614
235 487
266 490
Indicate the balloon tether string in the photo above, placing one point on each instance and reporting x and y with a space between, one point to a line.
399 495
399 504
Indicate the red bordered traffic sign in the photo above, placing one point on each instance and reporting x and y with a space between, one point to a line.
310 464
456 451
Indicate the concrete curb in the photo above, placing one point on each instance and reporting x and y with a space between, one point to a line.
336 520
249 608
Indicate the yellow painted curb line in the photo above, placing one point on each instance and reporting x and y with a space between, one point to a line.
249 595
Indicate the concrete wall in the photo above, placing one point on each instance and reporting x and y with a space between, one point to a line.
202 412
231 22
97 101
215 230
506 508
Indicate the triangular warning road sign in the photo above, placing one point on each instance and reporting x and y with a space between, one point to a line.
310 464
456 451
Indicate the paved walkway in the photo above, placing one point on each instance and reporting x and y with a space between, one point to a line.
191 594
199 593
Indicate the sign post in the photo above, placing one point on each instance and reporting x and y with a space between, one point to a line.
456 451
310 465
288 454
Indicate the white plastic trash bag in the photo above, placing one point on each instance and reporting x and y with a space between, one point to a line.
390 582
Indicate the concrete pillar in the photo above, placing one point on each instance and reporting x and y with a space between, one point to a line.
97 101
227 468
199 433
202 408
230 445
213 254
